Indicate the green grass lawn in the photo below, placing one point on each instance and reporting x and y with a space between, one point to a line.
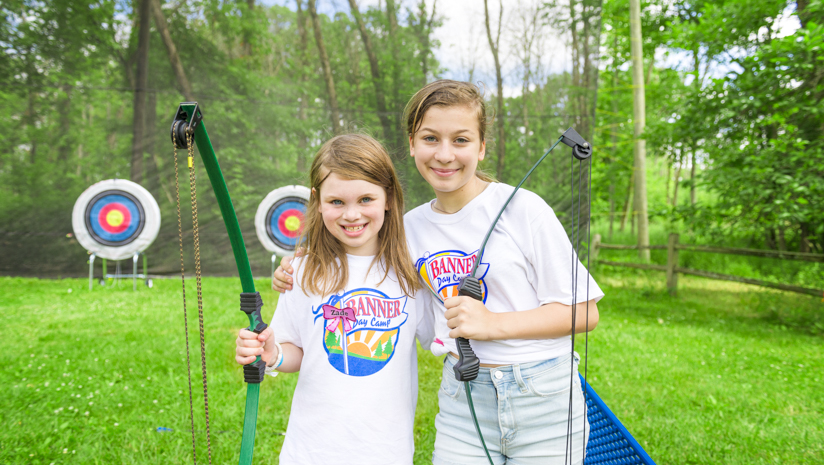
723 373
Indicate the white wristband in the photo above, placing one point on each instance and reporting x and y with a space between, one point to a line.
271 370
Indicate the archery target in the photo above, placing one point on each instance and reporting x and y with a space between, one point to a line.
280 218
115 219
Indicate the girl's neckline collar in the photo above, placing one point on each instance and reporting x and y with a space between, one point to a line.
461 214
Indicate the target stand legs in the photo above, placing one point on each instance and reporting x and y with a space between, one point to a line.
134 275
91 270
134 271
274 259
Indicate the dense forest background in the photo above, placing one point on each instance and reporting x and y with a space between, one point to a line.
734 114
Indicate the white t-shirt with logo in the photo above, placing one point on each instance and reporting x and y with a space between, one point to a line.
528 262
355 397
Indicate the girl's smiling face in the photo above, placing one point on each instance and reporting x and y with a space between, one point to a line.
353 211
447 148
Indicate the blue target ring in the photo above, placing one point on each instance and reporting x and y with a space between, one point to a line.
285 220
114 218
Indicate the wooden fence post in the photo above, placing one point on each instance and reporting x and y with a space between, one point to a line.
596 242
672 264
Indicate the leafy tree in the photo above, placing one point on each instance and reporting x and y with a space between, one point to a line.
379 350
331 340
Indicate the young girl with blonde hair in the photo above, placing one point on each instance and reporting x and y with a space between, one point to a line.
521 328
350 327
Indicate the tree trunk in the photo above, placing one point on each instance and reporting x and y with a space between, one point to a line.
769 238
327 69
639 120
531 21
803 14
804 243
171 49
150 135
303 141
592 69
576 60
692 177
500 115
583 97
154 173
395 104
30 117
611 208
694 148
613 138
139 115
668 178
628 203
64 112
247 36
425 28
677 177
85 119
374 67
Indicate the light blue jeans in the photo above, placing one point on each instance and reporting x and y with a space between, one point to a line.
523 412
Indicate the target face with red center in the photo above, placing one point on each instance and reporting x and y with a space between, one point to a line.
115 219
280 219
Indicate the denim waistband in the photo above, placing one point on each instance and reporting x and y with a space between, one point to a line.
512 373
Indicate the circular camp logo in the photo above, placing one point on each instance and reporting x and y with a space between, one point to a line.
361 329
280 219
115 219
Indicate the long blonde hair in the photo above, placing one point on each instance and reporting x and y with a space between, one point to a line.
448 93
356 157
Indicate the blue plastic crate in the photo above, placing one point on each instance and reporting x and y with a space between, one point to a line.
609 441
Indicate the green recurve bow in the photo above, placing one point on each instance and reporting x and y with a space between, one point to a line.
189 120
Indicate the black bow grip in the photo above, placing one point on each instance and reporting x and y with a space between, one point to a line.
467 367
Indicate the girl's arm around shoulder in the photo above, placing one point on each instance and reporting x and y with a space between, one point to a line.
283 277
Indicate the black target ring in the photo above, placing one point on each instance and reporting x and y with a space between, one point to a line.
94 225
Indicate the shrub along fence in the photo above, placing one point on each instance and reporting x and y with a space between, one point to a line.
672 269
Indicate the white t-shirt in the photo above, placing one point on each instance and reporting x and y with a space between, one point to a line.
527 263
354 402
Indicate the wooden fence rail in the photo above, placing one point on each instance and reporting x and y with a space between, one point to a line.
672 269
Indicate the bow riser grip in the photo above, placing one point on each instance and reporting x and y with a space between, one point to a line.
251 304
467 367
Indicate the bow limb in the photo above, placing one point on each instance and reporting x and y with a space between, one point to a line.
190 114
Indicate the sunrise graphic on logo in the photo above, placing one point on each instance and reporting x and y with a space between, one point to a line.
369 345
361 329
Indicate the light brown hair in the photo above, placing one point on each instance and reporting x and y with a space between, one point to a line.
448 93
356 157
